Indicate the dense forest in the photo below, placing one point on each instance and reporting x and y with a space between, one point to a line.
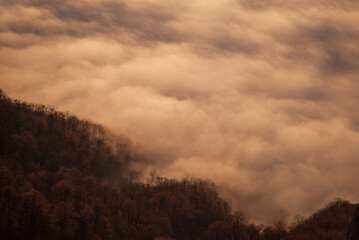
65 178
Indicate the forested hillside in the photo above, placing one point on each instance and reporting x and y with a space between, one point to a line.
65 178
330 222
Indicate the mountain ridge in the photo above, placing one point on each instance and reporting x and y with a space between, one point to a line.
60 178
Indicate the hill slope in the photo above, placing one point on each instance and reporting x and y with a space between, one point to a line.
55 173
65 178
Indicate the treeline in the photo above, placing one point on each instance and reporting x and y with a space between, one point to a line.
328 223
65 178
39 137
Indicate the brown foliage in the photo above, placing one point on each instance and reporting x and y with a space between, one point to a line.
57 182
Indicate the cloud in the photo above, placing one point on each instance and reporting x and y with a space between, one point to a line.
131 24
259 96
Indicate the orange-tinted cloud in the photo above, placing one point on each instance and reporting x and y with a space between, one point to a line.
259 96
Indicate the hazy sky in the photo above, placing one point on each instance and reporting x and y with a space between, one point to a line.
259 96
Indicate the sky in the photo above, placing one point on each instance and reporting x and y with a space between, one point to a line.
259 96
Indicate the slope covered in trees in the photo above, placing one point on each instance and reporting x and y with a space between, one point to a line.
330 222
65 178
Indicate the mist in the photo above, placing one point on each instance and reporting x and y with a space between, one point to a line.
258 96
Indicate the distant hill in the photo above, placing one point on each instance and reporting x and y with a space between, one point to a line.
65 178
330 222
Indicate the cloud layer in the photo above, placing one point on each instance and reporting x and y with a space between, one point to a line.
259 96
